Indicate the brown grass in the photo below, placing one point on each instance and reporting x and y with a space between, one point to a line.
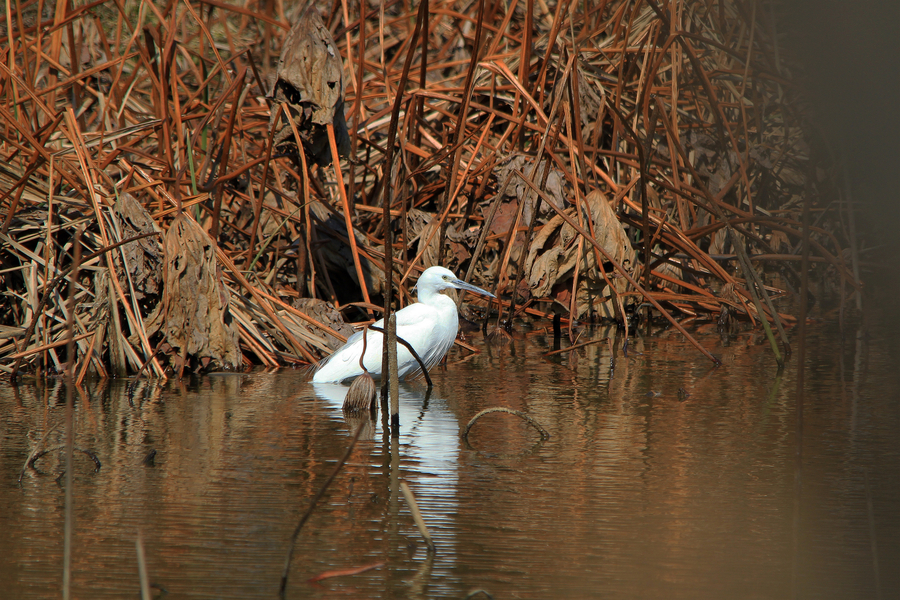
682 115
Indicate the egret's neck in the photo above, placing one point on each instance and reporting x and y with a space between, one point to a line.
436 299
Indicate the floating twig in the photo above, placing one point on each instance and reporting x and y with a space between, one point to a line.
576 346
417 516
544 433
89 453
142 567
345 572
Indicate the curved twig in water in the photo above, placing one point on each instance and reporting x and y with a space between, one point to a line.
34 453
90 454
544 433
474 593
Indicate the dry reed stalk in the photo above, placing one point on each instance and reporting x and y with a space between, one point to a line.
392 375
69 506
342 192
625 274
163 108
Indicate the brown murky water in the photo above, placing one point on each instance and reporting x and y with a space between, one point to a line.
663 479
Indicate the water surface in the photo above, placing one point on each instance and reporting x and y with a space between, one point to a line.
663 478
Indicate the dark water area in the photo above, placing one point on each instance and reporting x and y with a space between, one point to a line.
663 478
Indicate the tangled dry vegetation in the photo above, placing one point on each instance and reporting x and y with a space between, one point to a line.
580 159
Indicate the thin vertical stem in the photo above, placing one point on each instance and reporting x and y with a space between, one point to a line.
387 186
351 236
393 376
70 421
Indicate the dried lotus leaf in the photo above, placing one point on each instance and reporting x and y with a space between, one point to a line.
310 80
608 231
311 67
556 251
194 316
554 186
545 273
143 258
541 238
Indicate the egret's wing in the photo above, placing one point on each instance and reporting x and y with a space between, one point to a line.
344 362
358 337
415 315
436 352
410 316
419 324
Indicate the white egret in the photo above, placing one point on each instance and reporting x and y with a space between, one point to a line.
429 325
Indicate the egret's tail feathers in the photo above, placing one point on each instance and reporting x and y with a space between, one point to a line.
310 370
335 370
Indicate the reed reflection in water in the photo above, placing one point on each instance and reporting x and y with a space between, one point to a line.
662 478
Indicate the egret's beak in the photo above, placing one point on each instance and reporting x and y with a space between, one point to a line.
462 285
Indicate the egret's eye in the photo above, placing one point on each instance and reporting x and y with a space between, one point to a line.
446 278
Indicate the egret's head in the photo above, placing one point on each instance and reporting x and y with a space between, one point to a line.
435 279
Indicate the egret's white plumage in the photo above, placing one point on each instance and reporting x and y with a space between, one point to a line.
430 325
